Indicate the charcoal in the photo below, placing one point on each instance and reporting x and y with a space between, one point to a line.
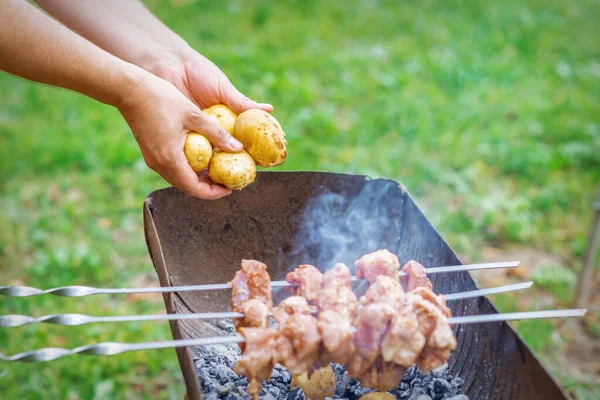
215 364
441 387
296 394
417 393
355 390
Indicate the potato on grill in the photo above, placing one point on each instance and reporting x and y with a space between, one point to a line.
262 137
378 396
320 385
232 170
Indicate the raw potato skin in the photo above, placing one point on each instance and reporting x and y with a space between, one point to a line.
320 385
198 151
232 170
262 137
378 396
224 116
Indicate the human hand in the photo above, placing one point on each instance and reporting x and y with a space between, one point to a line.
160 117
201 81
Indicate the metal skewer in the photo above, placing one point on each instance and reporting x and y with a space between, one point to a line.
15 320
113 348
79 291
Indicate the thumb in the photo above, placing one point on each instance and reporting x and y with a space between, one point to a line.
238 102
207 126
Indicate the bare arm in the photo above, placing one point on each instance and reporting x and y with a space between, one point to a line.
40 49
127 29
36 47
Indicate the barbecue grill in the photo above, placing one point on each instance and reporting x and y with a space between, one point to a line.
288 218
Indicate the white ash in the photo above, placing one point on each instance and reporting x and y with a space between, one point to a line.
215 364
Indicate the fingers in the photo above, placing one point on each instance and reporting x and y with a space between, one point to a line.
219 137
238 102
180 175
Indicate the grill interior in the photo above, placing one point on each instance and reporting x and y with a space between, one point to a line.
288 218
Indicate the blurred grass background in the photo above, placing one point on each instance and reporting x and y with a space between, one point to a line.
487 111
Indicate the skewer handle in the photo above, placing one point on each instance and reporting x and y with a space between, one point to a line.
114 348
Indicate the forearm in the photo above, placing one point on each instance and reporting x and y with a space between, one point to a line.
125 28
36 47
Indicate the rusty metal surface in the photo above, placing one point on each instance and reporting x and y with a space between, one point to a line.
287 218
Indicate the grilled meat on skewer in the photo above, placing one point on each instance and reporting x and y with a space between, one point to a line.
307 281
440 339
337 334
436 299
251 282
394 329
416 276
259 357
375 264
384 290
404 340
336 292
371 326
338 307
256 315
299 340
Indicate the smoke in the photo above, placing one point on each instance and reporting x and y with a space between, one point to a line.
339 227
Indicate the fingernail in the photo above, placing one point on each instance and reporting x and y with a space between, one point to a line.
235 144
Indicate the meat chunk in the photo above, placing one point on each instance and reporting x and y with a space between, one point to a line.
339 276
433 323
384 290
251 282
258 358
337 335
289 306
438 347
372 265
371 326
404 341
256 315
437 300
307 281
336 293
299 340
416 276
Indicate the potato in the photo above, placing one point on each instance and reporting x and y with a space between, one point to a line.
262 137
232 170
198 151
378 396
320 385
224 116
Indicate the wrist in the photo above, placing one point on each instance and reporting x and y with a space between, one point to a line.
132 81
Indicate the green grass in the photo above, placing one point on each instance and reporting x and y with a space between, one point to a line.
486 111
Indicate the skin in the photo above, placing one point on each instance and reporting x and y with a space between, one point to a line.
134 63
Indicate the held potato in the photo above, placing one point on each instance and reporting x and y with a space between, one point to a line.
321 383
198 151
224 116
262 137
232 170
